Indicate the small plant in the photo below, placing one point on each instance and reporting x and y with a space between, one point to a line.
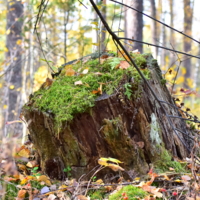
128 91
34 171
94 178
68 170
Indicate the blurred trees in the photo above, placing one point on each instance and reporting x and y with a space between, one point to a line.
134 23
187 43
13 74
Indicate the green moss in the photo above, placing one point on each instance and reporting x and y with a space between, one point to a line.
64 99
140 60
96 194
130 191
165 162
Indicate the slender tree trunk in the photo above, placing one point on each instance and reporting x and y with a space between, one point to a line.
163 52
134 23
13 78
188 16
103 32
154 37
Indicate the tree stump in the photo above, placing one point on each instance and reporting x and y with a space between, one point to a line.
134 131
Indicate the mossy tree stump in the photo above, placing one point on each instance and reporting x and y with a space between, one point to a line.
134 130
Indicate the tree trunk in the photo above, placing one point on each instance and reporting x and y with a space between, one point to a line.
103 29
154 37
187 43
135 131
134 24
13 77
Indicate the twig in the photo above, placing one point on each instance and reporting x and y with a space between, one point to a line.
149 44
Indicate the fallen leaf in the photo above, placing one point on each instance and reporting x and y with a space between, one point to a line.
70 72
24 153
85 71
52 197
124 64
78 83
82 197
21 194
32 163
104 56
44 179
115 167
185 178
98 73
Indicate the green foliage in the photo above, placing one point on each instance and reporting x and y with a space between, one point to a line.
64 99
165 162
97 194
140 60
115 61
11 191
128 90
130 191
68 169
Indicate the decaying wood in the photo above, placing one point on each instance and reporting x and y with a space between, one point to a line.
134 131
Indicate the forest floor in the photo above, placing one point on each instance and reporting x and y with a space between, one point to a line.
21 179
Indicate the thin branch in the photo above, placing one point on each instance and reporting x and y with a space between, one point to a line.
149 44
156 20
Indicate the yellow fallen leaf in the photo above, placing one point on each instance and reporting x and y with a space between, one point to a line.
32 163
24 153
178 181
44 179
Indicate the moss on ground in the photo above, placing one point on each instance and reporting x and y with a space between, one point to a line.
64 99
129 191
166 162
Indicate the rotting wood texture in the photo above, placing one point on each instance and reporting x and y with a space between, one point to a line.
134 131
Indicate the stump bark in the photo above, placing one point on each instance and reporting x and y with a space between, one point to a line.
134 131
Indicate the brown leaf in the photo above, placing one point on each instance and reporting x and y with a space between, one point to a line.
82 197
124 64
115 167
70 72
140 144
185 178
21 194
24 153
104 56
